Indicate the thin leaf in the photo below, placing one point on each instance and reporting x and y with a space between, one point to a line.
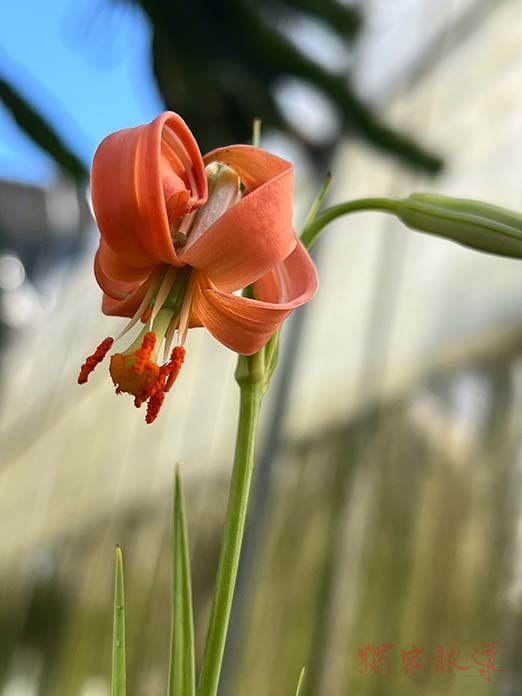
118 687
300 682
318 201
182 674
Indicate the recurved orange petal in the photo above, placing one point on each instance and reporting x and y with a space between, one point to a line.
256 233
140 175
125 306
245 325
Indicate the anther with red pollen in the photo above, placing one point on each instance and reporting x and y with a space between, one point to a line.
155 393
154 406
94 360
168 375
136 372
144 352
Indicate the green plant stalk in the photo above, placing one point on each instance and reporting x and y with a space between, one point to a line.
481 226
252 377
249 375
313 229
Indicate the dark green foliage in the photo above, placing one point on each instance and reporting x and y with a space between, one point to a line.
40 130
217 63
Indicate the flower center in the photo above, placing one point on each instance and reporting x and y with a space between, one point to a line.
137 373
224 191
136 370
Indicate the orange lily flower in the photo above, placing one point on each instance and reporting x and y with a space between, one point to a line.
181 234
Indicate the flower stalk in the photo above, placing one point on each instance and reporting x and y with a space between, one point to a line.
481 226
250 377
313 229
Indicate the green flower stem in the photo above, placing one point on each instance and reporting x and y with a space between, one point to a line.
253 382
250 376
312 230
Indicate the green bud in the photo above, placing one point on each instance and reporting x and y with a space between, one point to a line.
474 224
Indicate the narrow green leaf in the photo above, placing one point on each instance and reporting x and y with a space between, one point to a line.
318 201
182 677
300 683
118 638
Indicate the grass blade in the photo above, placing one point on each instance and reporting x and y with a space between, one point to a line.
118 687
318 201
182 678
300 683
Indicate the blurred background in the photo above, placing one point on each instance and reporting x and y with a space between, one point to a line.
387 507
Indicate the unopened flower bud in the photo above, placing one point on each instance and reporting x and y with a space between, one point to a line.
481 226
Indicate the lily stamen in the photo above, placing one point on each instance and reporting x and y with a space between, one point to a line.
92 361
163 293
176 361
169 335
144 352
138 314
184 315
155 393
154 406
135 371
